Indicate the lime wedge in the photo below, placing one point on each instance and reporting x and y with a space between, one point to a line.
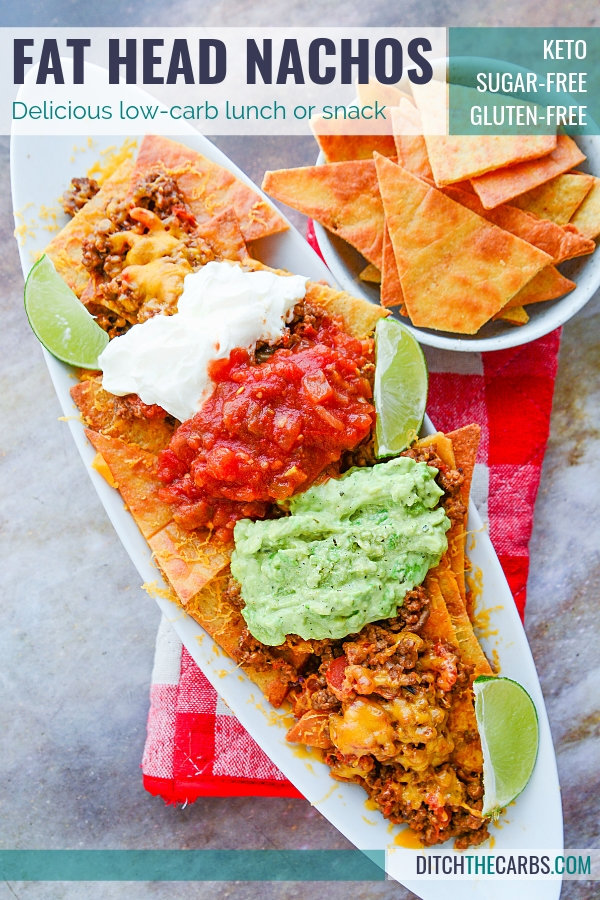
508 728
400 390
59 320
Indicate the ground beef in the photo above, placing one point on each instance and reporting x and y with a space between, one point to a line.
304 316
385 664
413 613
450 480
432 824
112 322
252 653
81 190
323 699
159 192
97 254
375 645
232 593
363 455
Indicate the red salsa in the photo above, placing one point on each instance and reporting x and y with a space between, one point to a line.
270 428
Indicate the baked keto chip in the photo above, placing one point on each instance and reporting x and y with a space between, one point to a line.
391 289
66 248
353 139
444 447
338 147
222 620
465 444
587 217
411 148
223 235
342 196
385 94
546 285
119 417
514 315
503 185
210 189
561 242
456 269
188 559
359 317
134 474
460 157
557 199
370 274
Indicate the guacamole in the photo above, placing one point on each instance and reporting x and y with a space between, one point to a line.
347 555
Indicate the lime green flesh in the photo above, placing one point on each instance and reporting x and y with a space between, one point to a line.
509 732
400 390
59 320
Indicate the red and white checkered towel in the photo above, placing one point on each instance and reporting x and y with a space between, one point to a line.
195 746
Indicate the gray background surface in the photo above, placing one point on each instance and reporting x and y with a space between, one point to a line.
78 633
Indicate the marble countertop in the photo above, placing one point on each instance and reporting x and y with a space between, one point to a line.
78 634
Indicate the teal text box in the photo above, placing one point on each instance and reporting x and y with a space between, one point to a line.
192 865
524 60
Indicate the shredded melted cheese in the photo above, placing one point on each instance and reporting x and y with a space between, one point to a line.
111 159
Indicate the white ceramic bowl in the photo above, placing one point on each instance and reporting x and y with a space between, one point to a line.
345 264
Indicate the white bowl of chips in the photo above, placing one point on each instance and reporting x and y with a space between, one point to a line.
346 266
495 286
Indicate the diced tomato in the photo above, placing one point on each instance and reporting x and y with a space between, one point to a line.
335 673
269 429
184 215
317 387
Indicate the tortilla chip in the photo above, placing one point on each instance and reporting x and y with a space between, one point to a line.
503 185
456 269
411 148
587 217
470 647
224 236
338 147
370 274
385 94
210 188
357 141
465 443
546 285
457 449
391 289
188 559
439 624
342 196
561 242
224 623
557 199
448 621
65 249
107 414
455 554
134 471
514 315
359 316
460 157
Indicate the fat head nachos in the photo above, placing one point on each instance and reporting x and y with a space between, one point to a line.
335 579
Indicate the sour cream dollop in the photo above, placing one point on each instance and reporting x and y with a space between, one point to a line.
165 359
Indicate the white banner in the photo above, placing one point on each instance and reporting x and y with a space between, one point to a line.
278 81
